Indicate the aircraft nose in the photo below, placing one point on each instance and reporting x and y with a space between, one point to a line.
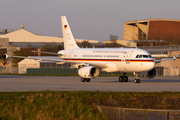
151 65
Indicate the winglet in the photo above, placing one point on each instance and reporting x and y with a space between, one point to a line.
174 58
6 55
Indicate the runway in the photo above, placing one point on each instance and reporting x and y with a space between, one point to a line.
73 83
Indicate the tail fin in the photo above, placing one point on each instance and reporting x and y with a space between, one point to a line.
69 42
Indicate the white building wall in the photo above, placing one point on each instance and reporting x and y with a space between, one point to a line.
27 63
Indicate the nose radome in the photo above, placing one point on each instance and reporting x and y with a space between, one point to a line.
151 65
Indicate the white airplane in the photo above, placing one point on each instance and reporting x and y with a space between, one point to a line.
90 61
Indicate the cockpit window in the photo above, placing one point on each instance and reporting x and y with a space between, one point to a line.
143 56
137 56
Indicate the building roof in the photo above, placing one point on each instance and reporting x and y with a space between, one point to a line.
23 35
146 20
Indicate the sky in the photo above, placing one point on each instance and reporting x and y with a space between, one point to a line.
88 19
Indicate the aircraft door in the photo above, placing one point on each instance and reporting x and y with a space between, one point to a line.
128 56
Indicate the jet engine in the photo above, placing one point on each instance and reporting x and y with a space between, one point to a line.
88 72
148 74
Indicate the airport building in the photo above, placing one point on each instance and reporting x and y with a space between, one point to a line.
152 29
5 47
32 63
150 32
22 38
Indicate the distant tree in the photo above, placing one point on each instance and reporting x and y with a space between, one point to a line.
61 46
113 38
85 44
113 41
21 52
51 47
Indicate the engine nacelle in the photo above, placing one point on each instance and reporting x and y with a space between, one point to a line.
88 72
148 74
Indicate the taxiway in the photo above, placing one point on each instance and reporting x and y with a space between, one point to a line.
73 83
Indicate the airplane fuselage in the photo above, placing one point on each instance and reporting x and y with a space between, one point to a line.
117 59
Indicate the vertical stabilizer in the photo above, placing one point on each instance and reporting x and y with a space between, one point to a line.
69 42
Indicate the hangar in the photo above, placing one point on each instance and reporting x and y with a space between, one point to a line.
22 38
153 29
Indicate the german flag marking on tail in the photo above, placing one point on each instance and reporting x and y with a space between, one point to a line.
65 26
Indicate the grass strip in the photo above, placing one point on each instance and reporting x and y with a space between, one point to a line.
79 105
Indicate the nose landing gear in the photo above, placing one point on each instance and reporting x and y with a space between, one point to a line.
137 80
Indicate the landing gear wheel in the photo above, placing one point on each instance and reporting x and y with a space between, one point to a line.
137 80
83 79
121 79
88 79
125 79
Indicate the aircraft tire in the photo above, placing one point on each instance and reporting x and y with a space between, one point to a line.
88 79
83 79
137 80
125 79
121 79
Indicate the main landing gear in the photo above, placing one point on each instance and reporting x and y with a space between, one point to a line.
85 79
123 78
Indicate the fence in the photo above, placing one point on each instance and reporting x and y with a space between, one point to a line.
116 113
60 71
52 71
13 70
160 71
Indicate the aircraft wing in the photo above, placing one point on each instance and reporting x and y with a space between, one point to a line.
58 59
51 53
61 61
157 61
